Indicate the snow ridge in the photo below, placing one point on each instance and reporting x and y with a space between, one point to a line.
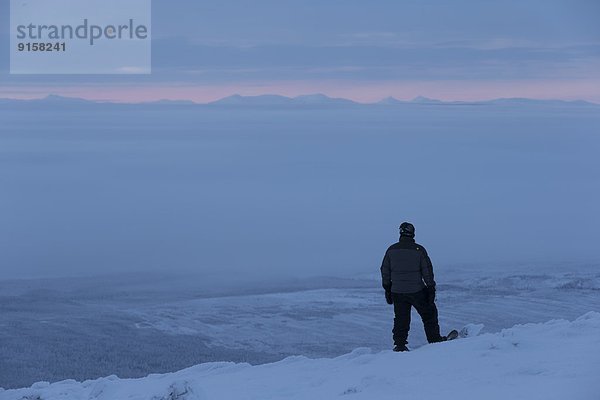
555 360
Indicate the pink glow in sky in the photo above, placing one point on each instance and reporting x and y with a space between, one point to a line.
359 91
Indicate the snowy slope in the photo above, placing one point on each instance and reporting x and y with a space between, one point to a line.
131 327
555 360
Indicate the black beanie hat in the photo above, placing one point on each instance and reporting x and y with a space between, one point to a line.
407 229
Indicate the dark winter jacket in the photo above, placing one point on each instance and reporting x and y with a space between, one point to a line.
406 267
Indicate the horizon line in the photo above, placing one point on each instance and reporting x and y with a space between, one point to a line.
413 100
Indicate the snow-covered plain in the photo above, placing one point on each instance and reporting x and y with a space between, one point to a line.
555 360
132 326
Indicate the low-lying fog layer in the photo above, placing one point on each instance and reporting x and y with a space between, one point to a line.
292 190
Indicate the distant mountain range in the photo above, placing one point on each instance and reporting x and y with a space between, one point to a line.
506 101
273 99
317 99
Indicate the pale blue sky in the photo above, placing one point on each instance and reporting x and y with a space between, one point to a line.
363 50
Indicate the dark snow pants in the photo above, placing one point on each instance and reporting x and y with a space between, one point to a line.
428 312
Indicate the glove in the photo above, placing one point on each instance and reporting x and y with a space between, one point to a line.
388 293
388 297
431 295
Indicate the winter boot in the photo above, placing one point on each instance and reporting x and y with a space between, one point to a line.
452 335
400 348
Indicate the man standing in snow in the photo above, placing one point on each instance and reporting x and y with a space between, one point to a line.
407 277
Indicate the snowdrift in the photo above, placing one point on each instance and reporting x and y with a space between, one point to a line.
555 360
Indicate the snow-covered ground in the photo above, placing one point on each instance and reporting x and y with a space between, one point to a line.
333 321
555 360
87 328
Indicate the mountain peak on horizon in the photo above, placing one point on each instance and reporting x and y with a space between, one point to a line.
276 99
263 99
423 99
171 102
390 100
320 98
58 98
